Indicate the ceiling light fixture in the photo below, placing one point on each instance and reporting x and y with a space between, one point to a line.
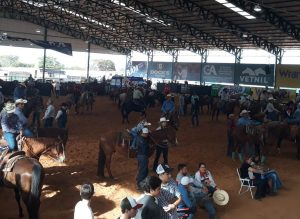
236 9
148 20
37 31
245 35
83 27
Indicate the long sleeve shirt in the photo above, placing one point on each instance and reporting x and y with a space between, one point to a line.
201 178
270 108
142 145
6 128
244 121
21 116
168 106
50 112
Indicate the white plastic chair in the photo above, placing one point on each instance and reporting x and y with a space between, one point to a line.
245 183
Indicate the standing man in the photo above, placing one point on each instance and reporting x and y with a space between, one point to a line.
168 106
137 96
82 208
271 110
195 109
162 146
142 156
49 115
224 98
57 89
169 197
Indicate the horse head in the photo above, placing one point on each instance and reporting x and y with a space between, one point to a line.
57 151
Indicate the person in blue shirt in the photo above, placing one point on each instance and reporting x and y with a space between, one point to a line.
20 104
168 106
188 199
20 91
135 131
245 119
11 126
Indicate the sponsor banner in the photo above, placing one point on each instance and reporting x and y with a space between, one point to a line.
161 70
216 90
186 71
138 69
288 76
254 74
218 72
65 48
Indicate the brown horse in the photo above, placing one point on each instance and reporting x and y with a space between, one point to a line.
63 134
51 147
85 103
26 178
113 142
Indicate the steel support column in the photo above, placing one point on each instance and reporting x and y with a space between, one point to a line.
149 62
238 57
174 61
45 51
203 60
88 62
128 64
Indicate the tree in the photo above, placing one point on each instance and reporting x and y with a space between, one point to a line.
13 61
103 65
51 63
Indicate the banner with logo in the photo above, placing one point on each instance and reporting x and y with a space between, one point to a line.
288 76
186 71
138 69
254 74
217 72
161 70
216 90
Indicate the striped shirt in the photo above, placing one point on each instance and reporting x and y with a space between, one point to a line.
168 194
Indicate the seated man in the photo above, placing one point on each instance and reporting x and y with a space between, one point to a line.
182 171
248 172
188 199
204 178
270 175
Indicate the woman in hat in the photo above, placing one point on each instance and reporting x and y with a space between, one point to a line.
11 126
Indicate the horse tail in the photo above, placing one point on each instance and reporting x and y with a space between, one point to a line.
101 161
35 192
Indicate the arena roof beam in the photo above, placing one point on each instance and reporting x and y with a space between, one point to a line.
167 20
223 23
42 21
144 27
269 16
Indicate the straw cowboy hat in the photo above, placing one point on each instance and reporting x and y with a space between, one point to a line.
244 112
221 197
20 101
163 119
10 107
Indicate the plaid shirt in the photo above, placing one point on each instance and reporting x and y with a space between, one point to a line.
168 194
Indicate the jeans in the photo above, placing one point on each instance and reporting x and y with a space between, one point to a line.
142 168
276 182
230 144
272 116
36 119
48 122
27 132
11 140
191 212
208 204
159 150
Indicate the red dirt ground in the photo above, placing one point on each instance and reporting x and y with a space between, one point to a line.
205 143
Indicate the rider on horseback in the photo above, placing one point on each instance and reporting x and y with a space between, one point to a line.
137 96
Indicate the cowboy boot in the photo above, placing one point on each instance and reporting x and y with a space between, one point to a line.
241 157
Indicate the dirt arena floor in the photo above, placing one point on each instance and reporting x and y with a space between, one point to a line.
205 143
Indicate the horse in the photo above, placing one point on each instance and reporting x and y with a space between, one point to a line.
114 143
86 101
26 174
131 106
61 133
26 178
205 100
251 136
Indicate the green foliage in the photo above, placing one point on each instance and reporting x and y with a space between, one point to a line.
12 61
51 63
103 65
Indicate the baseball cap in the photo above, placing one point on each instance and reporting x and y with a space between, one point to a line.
145 131
20 101
130 203
186 180
163 168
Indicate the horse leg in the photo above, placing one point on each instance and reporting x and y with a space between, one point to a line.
18 199
101 162
217 116
279 144
107 164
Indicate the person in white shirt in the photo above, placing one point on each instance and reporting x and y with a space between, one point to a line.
271 111
57 89
82 208
49 114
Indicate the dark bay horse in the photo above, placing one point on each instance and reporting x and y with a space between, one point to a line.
112 143
61 133
129 107
26 178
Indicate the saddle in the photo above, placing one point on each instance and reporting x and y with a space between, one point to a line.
8 160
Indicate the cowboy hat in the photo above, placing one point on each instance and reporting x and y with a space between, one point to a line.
244 112
169 95
163 119
10 107
271 98
221 197
20 101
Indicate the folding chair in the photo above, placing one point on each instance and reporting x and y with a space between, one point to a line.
245 183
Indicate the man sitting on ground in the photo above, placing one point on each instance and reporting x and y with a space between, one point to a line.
188 199
182 171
